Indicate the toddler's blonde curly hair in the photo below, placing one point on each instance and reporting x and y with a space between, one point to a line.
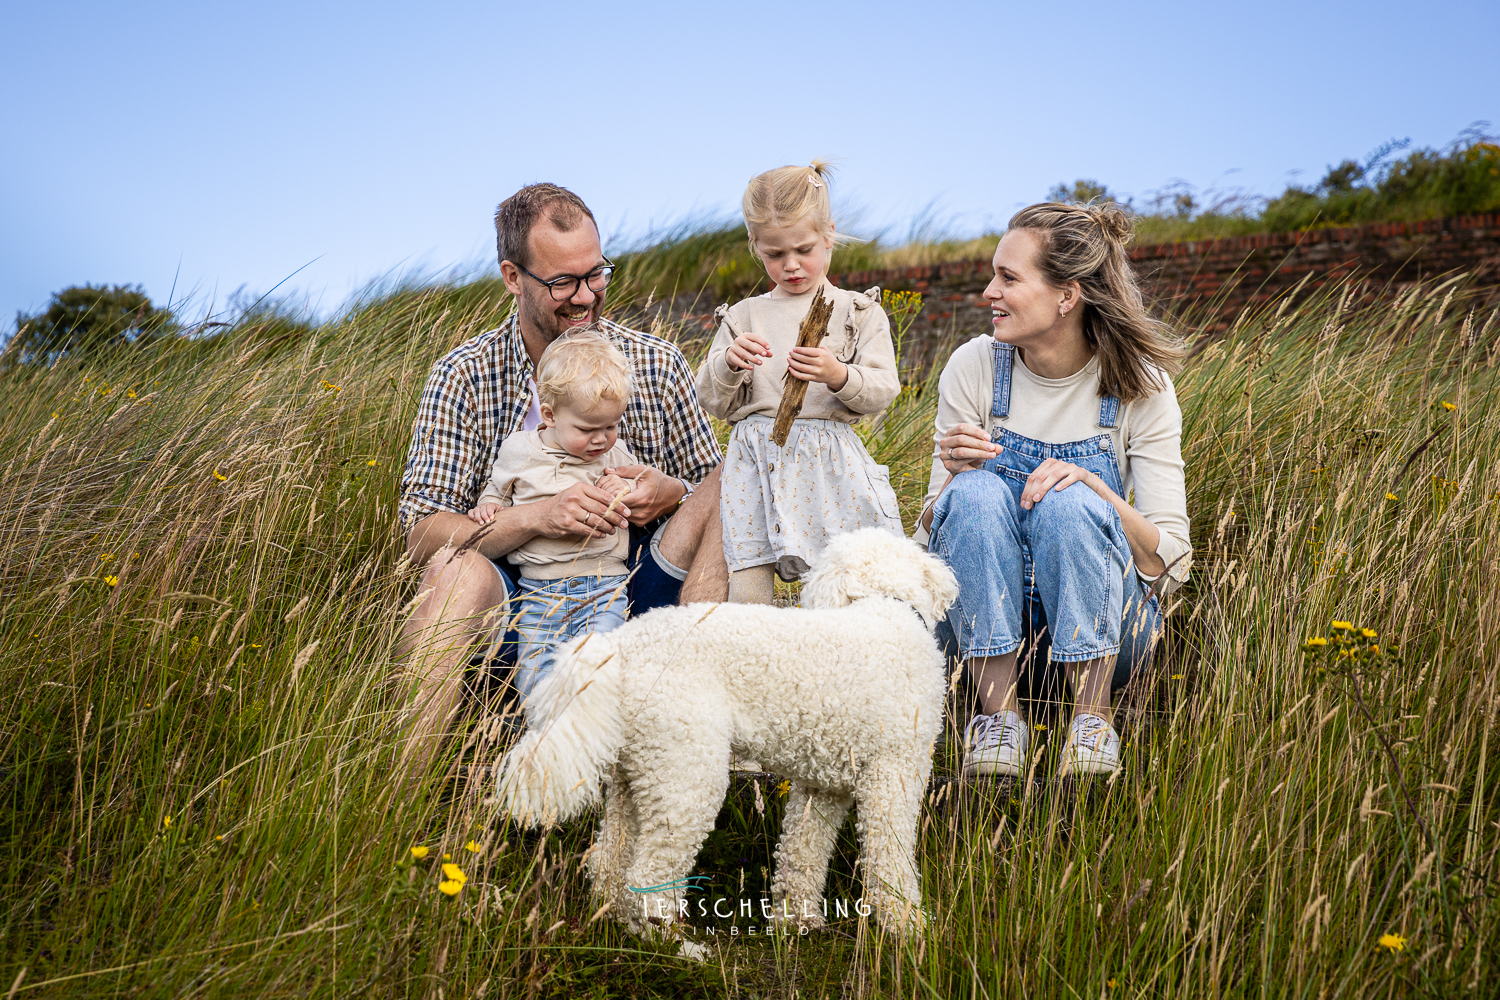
582 367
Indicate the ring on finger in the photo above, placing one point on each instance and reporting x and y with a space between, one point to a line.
588 518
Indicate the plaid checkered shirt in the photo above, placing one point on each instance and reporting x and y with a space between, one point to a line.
477 396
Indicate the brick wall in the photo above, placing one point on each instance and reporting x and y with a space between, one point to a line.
1213 279
1224 276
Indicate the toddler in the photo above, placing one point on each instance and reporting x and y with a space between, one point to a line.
780 505
568 586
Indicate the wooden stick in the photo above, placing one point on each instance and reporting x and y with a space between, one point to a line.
814 328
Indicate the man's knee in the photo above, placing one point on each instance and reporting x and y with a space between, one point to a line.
686 528
463 579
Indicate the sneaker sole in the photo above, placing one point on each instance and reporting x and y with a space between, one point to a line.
1069 767
990 768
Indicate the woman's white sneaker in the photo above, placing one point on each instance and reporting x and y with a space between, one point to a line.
1093 747
995 744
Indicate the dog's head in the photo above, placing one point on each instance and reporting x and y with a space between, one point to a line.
874 562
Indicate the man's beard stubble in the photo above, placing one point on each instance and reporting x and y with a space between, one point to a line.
541 315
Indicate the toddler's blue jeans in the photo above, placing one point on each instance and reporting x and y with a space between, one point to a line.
554 611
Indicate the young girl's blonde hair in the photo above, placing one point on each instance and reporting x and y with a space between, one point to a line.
582 367
786 196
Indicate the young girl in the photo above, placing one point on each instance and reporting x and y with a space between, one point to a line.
780 505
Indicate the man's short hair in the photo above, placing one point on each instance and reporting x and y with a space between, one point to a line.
518 213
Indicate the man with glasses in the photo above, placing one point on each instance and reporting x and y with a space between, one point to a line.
483 391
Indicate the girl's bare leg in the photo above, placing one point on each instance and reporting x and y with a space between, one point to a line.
755 585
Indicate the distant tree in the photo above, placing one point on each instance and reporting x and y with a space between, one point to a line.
1081 193
85 321
1342 178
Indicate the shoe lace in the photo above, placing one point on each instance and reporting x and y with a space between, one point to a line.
1010 735
979 730
1090 731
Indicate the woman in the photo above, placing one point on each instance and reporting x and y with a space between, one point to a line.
1043 430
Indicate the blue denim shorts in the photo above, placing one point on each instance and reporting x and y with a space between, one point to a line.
654 583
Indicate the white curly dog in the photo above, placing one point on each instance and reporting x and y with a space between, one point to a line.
842 696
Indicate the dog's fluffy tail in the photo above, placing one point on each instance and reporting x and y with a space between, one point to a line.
573 733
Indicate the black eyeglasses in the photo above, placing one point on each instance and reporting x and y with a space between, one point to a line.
564 288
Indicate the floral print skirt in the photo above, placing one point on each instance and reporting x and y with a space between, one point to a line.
787 502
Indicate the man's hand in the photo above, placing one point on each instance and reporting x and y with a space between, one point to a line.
582 510
817 364
655 493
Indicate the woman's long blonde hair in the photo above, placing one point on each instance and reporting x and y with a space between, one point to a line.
1086 244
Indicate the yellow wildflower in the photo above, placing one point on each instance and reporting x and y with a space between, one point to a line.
1177 677
220 476
1040 727
1343 626
373 462
1317 640
1368 633
419 853
1110 982
111 581
783 788
450 888
447 857
1392 942
218 836
166 822
455 873
1449 406
473 846
1392 496
106 556
329 386
130 393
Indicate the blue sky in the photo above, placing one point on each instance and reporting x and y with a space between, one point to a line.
226 146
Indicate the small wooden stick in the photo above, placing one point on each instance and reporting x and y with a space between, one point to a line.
814 328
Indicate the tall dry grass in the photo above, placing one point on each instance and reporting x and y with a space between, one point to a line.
202 585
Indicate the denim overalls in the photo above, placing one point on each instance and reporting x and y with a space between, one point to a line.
1059 575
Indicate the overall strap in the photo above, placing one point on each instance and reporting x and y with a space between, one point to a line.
1109 411
1004 358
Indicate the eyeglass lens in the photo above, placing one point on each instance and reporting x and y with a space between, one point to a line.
565 288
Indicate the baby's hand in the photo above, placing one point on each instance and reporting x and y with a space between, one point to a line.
484 513
614 485
747 351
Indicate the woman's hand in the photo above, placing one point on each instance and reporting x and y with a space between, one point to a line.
818 364
1055 474
747 351
966 447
